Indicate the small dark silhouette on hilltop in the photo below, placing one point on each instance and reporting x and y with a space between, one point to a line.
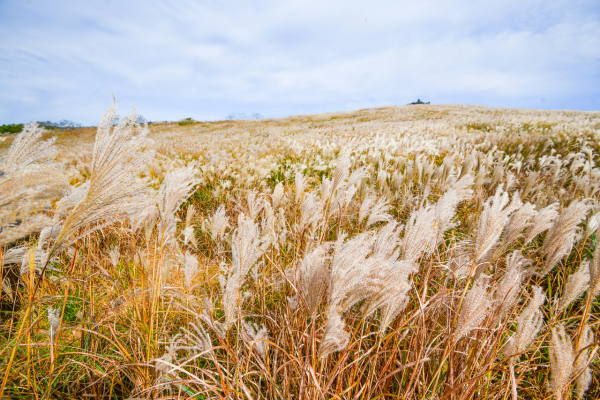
418 102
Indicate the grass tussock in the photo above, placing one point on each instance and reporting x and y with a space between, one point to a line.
434 252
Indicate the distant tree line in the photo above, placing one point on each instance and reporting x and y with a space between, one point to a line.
236 115
187 121
62 124
11 128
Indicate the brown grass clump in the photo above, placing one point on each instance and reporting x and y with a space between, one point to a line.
401 252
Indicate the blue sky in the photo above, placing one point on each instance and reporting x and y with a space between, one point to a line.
206 59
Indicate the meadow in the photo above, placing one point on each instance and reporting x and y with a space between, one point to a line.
415 252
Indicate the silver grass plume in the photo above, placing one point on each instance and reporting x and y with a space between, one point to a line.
195 341
581 367
6 288
326 190
507 293
255 203
387 241
356 177
218 223
206 316
190 268
461 263
345 274
529 183
25 191
519 221
66 204
577 284
53 321
542 221
498 175
335 338
14 255
420 233
492 220
365 207
475 308
28 178
188 231
397 180
341 173
300 183
529 323
446 206
480 178
380 280
256 336
447 168
46 180
246 246
162 365
246 249
467 165
268 224
561 359
563 233
387 282
33 258
114 190
114 254
592 225
28 149
177 186
277 196
379 212
347 266
312 277
341 200
311 213
382 177
281 226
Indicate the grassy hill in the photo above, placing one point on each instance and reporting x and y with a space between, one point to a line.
423 251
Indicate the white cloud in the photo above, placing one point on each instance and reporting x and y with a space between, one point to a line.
206 59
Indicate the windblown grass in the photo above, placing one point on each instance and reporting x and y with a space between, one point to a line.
435 252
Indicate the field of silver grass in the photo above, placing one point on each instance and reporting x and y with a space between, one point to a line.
430 252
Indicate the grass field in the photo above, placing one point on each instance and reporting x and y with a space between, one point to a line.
416 252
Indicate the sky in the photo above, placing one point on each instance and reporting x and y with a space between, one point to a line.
208 59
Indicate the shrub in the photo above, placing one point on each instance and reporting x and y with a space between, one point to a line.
11 128
187 121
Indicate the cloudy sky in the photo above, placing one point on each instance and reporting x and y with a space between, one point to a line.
207 59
